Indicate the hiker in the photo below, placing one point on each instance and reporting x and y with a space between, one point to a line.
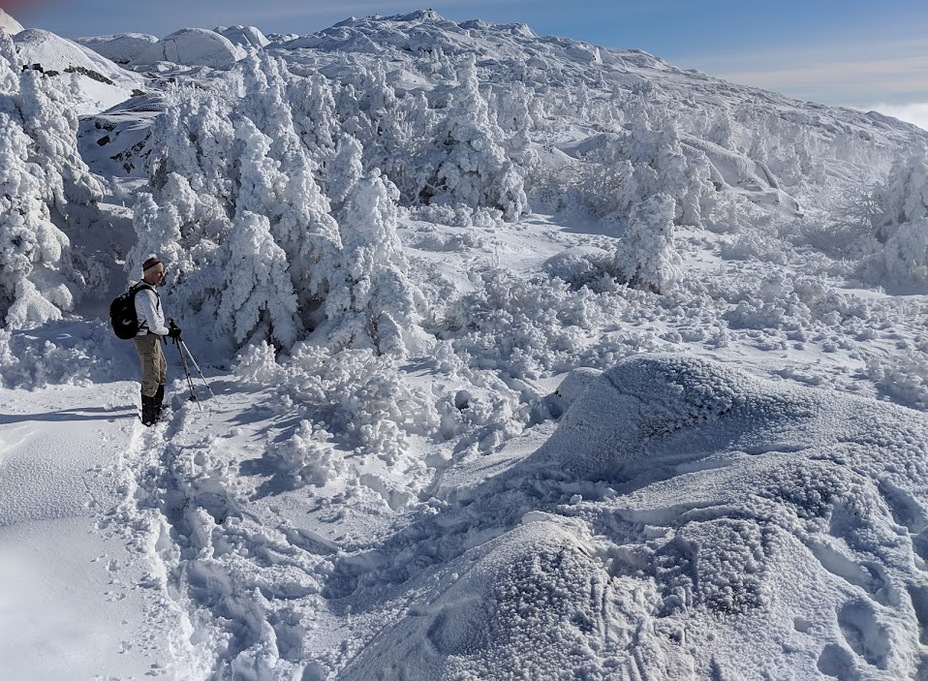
152 331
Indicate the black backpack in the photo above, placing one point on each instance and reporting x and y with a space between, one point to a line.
123 319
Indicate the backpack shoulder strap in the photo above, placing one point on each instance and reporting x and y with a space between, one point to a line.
134 289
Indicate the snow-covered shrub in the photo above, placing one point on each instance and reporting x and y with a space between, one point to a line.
906 254
308 457
256 365
906 382
899 218
904 198
754 245
581 266
645 256
361 396
525 327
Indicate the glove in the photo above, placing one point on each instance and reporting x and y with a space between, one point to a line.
174 332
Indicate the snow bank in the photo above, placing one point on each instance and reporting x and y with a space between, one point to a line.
65 353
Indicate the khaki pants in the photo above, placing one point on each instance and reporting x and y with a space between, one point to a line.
154 366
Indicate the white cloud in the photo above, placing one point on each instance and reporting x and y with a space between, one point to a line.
911 113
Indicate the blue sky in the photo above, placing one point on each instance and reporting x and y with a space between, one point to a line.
865 54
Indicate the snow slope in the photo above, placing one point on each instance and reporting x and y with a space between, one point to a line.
9 24
96 83
517 358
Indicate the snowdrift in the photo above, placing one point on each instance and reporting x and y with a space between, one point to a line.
685 521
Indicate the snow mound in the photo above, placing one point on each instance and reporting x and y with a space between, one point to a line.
517 607
98 83
656 412
743 531
248 37
9 24
121 48
191 47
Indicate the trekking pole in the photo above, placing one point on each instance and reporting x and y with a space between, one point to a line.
176 339
193 393
202 377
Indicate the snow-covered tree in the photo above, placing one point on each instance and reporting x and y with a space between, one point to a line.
315 121
645 257
901 220
32 289
265 81
906 255
44 187
344 171
659 165
904 196
48 117
256 299
195 138
309 236
371 304
259 182
469 165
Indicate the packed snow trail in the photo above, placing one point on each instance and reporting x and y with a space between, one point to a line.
73 609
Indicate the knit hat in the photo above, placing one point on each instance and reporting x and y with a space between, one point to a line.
150 263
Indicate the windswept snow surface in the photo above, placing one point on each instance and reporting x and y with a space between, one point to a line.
516 358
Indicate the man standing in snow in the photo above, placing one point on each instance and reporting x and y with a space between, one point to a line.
148 340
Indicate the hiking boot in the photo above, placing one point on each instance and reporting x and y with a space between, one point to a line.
149 415
158 403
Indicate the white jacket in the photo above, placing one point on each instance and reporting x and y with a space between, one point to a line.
148 310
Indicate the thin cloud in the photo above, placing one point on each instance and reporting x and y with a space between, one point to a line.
849 74
847 81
